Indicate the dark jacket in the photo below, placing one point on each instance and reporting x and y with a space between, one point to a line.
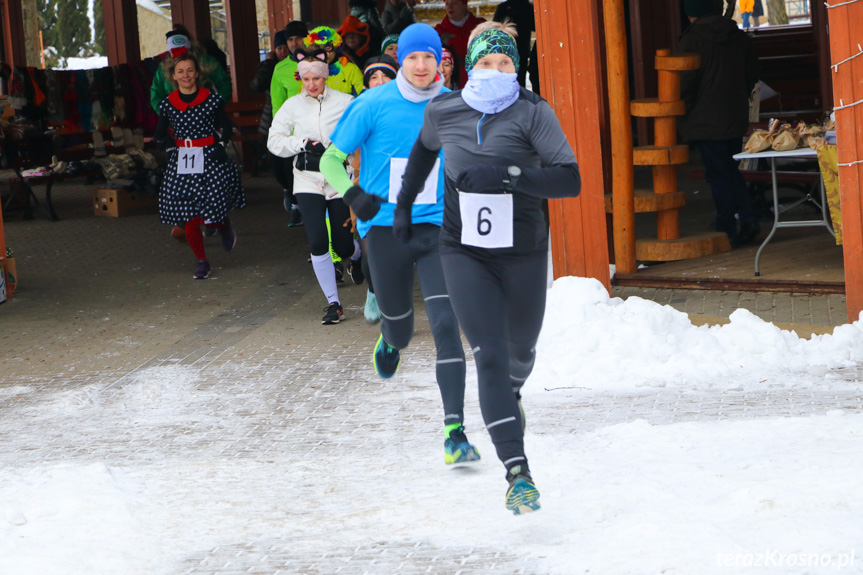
261 83
520 12
394 19
717 94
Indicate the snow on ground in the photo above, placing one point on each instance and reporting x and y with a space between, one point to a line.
704 495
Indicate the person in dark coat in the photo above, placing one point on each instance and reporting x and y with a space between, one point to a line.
398 15
520 13
264 76
717 111
261 83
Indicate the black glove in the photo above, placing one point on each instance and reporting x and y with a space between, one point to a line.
306 161
219 154
365 205
482 179
315 148
402 222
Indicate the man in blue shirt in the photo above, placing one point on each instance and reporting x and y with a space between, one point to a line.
384 123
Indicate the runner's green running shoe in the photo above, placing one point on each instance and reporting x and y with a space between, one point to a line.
522 495
457 449
386 358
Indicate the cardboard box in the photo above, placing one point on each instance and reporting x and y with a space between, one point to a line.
119 203
10 275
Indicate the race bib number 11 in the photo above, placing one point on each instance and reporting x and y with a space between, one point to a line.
190 161
486 220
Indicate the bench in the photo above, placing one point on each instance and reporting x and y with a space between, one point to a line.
246 117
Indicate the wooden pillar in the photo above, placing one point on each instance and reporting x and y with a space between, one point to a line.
195 16
570 69
14 47
281 12
819 26
121 31
623 186
243 56
844 22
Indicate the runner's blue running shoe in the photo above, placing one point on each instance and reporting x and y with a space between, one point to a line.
457 449
522 495
386 358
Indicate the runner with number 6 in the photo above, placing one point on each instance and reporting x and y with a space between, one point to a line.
505 151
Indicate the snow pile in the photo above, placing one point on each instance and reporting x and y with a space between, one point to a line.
593 341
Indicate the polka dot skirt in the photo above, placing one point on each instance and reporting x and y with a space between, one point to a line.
211 194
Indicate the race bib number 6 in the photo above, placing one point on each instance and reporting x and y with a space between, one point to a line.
190 161
486 220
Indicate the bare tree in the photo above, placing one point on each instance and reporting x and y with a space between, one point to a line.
776 13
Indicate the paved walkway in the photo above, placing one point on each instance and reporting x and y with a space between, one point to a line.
258 380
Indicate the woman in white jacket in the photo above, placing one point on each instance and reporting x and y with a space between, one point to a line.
302 128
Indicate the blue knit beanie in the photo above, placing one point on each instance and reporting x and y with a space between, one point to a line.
419 38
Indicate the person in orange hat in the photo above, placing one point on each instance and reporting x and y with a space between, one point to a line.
355 36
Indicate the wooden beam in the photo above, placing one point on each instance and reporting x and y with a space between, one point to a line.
844 22
569 52
122 43
195 16
14 46
243 56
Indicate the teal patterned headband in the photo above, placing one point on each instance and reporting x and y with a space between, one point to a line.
491 42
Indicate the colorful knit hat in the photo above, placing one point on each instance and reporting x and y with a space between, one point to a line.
492 41
446 55
384 63
323 35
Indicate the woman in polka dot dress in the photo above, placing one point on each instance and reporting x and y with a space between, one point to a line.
201 183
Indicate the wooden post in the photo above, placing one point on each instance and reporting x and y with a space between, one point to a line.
623 179
195 16
243 56
665 134
281 12
844 22
570 74
121 31
12 20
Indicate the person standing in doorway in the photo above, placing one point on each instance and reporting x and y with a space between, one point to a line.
384 123
717 112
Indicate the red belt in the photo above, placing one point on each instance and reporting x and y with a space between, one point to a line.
199 143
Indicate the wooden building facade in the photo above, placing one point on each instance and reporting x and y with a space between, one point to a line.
571 40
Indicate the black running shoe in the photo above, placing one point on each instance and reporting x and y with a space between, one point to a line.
355 270
296 218
202 271
340 271
334 314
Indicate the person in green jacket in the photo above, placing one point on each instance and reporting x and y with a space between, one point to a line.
345 76
178 44
285 83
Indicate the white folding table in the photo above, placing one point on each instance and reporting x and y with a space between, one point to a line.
777 223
